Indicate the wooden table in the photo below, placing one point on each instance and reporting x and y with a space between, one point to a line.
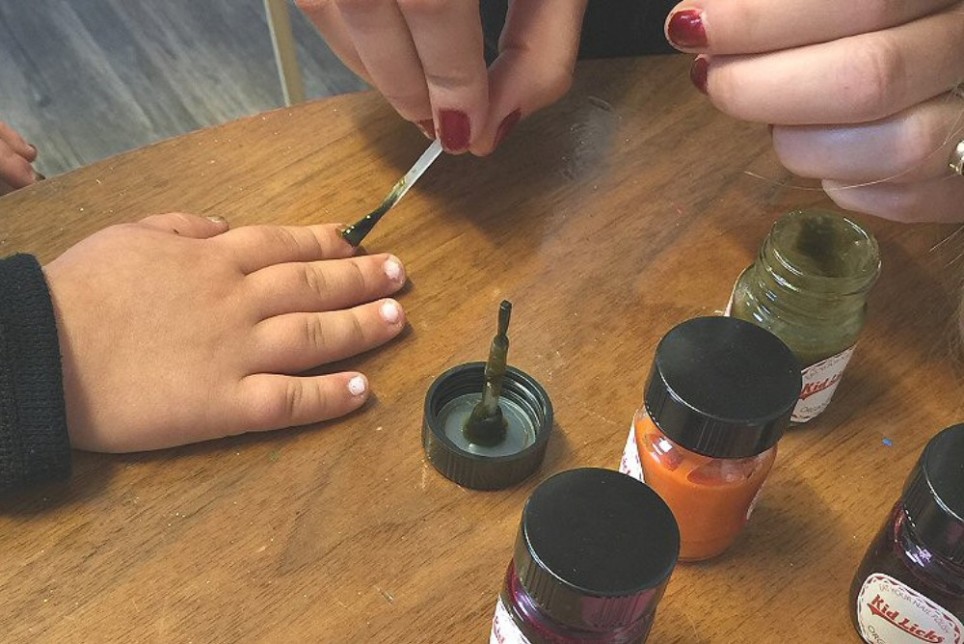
630 206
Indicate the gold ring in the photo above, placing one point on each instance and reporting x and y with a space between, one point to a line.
957 159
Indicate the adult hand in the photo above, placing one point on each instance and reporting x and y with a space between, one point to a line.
16 155
426 58
861 94
174 331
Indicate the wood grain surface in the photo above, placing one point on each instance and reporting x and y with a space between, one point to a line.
630 206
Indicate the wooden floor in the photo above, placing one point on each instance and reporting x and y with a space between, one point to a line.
85 79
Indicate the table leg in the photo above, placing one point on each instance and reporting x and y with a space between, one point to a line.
279 22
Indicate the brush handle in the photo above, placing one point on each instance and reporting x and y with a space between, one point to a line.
424 163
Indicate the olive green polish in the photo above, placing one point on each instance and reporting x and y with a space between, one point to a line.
486 425
356 232
810 283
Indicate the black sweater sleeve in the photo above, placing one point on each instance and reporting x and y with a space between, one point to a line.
34 445
610 28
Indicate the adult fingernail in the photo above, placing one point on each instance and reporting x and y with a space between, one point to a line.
393 269
358 385
506 126
698 73
427 127
390 312
454 129
686 29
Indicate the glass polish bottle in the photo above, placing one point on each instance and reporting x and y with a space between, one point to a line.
809 287
717 401
594 553
909 587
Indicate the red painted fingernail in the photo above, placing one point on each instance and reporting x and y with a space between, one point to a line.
698 72
454 130
506 126
427 127
686 30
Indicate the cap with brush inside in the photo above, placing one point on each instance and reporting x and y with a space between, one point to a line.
486 425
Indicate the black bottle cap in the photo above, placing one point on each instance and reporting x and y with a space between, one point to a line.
934 495
595 548
722 387
478 470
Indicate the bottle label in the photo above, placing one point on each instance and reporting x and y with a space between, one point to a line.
504 630
820 380
888 612
630 462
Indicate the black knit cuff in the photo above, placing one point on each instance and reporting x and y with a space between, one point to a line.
34 444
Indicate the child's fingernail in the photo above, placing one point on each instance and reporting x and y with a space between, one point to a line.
358 385
686 29
38 176
34 148
218 219
390 312
427 127
393 269
455 130
698 73
506 126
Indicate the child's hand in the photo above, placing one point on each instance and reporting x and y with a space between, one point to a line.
16 155
174 330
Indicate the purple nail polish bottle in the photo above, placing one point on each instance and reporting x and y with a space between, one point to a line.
910 585
593 556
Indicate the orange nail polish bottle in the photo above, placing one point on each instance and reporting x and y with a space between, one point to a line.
718 399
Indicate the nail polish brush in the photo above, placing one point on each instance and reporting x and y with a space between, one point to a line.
486 425
355 233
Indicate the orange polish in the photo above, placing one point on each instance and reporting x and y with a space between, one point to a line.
711 498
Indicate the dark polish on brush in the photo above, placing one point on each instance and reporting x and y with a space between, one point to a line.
686 30
506 127
698 73
454 129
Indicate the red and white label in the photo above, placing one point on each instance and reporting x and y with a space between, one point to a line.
504 630
888 612
820 380
630 462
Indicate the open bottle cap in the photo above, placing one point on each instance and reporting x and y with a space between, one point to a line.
449 403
